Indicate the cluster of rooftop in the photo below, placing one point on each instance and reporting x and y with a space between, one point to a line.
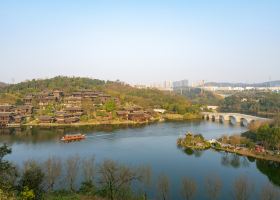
57 107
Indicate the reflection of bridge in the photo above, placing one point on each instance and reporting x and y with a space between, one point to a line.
236 117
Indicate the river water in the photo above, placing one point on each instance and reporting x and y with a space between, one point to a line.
153 145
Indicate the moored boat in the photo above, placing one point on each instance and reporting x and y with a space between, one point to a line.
73 137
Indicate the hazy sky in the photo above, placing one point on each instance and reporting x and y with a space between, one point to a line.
141 41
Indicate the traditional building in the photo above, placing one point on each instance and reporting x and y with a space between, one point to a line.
6 108
45 119
138 116
122 114
117 101
58 94
74 111
24 110
28 99
64 118
90 94
46 100
104 98
18 119
6 118
73 101
77 94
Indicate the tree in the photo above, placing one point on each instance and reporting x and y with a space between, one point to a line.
110 106
89 169
145 172
52 169
116 179
213 186
8 172
188 188
89 175
163 187
27 194
87 106
269 192
32 178
276 120
6 196
72 169
235 140
242 188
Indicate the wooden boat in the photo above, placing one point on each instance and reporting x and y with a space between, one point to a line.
73 137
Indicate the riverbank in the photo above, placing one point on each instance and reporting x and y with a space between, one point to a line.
163 118
197 142
247 152
92 123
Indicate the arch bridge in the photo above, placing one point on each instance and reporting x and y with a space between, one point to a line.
236 117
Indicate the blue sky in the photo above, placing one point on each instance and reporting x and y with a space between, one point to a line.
141 41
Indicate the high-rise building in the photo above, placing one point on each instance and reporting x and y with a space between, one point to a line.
179 85
166 85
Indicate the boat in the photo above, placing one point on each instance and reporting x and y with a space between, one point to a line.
73 137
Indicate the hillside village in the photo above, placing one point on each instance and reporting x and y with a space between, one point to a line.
57 107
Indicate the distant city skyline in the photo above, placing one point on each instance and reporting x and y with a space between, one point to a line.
141 42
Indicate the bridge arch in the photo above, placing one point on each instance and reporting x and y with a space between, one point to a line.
233 118
222 119
244 121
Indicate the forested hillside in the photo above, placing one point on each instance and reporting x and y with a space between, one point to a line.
198 96
68 84
148 98
252 102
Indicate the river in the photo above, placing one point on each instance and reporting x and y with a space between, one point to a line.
153 145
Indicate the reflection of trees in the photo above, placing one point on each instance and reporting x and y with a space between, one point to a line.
242 188
189 188
270 192
271 169
245 162
234 160
163 187
198 153
213 185
190 152
251 159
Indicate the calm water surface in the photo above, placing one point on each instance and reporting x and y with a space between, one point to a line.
153 145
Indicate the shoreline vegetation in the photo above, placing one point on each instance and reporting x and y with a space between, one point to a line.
197 142
164 118
261 141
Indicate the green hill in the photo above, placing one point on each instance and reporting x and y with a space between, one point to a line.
198 96
261 103
147 98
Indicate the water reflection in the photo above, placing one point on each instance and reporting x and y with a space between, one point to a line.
234 160
153 145
271 169
43 134
195 153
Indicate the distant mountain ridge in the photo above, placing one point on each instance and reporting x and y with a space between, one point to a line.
3 84
264 84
